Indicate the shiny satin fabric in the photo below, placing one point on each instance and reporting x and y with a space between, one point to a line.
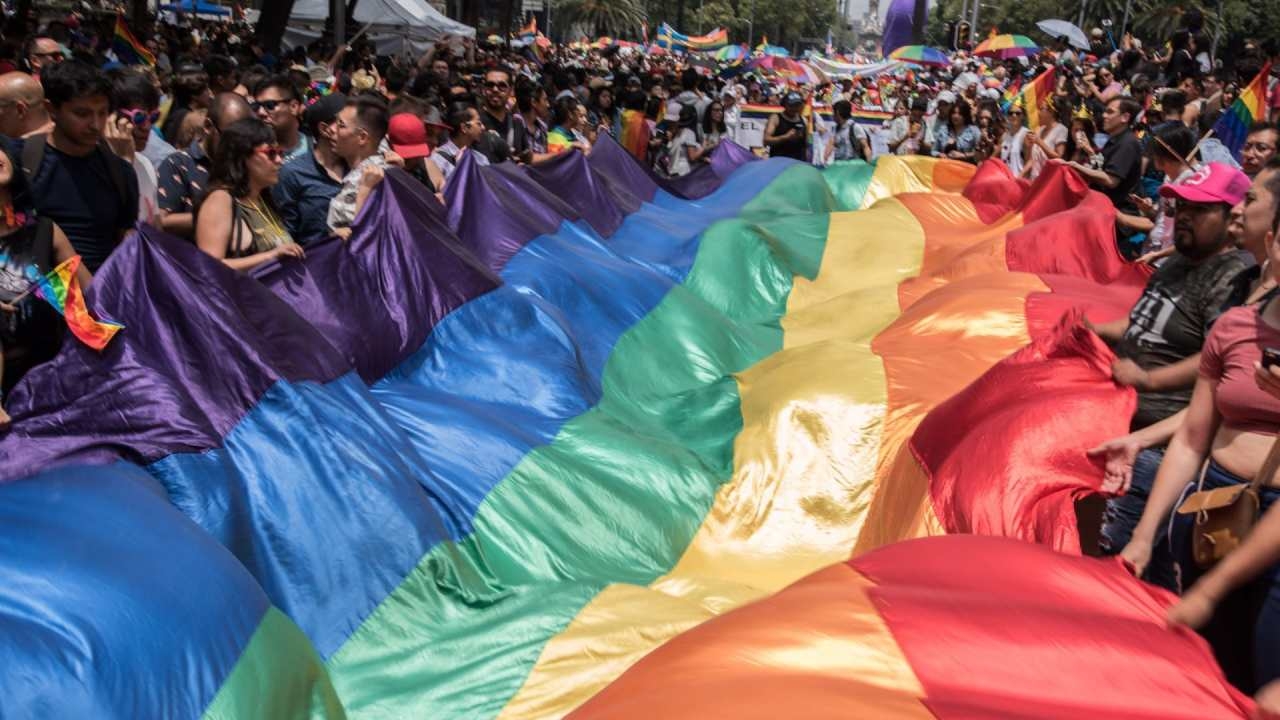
1006 455
948 627
179 380
327 492
114 605
576 429
811 416
807 473
968 276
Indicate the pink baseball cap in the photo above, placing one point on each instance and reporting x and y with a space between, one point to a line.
1214 182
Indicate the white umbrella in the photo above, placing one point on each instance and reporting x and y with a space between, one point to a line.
1061 28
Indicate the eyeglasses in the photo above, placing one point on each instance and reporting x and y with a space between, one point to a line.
1015 113
55 55
271 152
140 117
491 85
1258 147
268 105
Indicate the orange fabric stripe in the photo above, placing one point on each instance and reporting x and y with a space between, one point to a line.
819 649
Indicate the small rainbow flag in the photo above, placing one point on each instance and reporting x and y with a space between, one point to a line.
1033 95
1233 127
559 140
127 48
61 289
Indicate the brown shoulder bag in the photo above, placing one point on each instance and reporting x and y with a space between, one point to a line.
1225 516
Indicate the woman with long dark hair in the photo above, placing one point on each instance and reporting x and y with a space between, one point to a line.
30 247
604 111
237 221
958 138
714 128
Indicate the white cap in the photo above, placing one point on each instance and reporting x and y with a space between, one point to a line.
946 96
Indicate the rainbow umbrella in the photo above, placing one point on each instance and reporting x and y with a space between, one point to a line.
921 55
1007 46
731 53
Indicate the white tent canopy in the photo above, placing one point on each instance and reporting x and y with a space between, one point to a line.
398 25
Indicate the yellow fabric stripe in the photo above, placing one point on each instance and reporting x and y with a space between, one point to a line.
804 461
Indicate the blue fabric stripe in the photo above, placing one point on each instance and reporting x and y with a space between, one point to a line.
330 494
568 297
112 604
321 497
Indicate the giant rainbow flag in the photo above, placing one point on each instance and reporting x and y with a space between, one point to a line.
762 442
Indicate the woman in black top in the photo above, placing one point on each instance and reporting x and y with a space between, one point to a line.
30 329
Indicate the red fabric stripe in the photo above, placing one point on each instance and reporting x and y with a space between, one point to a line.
995 628
1006 456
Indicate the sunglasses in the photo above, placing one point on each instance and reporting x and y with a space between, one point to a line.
140 117
1018 113
271 152
491 85
268 105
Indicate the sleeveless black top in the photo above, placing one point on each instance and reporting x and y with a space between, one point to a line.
791 148
33 334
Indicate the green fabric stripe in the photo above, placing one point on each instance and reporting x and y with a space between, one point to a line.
618 495
278 676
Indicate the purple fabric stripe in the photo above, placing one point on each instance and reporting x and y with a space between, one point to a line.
204 343
601 201
377 298
496 213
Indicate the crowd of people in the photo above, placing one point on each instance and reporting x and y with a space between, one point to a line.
253 157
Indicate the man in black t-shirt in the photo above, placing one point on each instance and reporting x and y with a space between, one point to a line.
504 139
77 181
1121 156
1159 343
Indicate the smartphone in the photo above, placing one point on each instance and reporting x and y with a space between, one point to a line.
1270 357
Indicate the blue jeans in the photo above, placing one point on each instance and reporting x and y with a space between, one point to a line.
1124 512
1245 629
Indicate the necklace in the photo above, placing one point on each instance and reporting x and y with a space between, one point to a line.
279 235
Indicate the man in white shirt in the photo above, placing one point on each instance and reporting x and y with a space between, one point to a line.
358 133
